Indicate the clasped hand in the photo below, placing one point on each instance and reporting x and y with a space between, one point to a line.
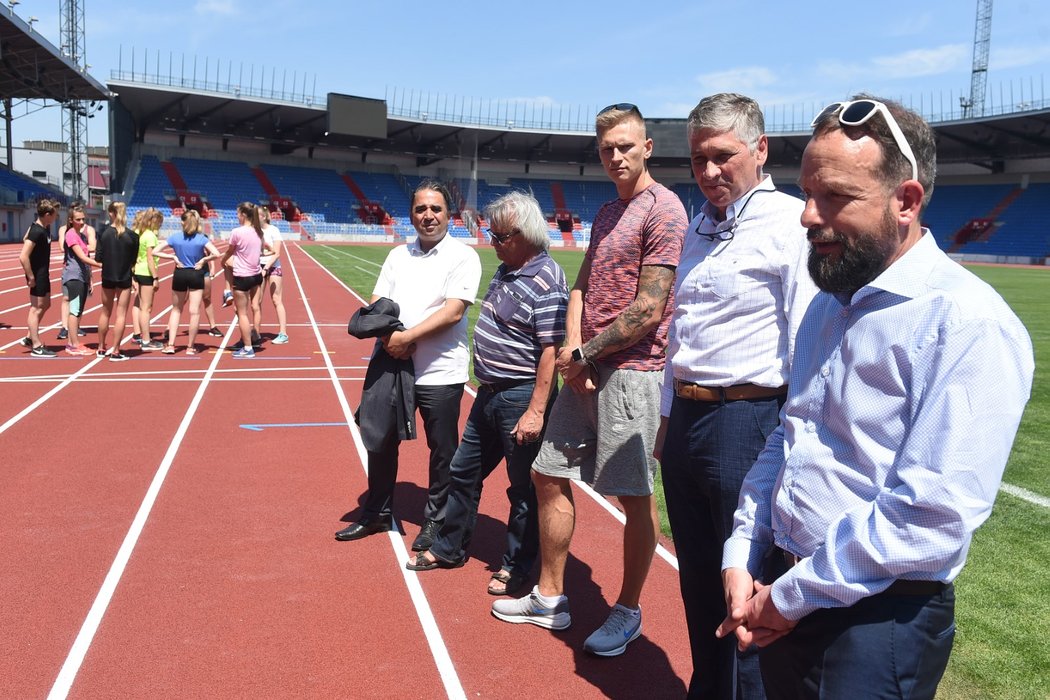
580 377
750 612
398 345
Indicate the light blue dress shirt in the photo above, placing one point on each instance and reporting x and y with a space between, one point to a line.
902 409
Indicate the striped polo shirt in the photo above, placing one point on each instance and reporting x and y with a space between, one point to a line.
523 310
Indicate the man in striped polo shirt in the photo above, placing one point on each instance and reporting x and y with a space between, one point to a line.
522 321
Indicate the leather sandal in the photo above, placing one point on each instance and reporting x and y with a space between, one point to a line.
421 563
504 582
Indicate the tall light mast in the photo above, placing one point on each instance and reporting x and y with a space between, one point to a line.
982 39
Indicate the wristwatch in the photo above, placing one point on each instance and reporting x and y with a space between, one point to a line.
578 357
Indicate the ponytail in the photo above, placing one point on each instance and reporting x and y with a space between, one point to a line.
119 213
251 212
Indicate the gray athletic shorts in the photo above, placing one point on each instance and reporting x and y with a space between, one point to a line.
605 438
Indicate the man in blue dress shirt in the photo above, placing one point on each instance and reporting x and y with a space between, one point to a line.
909 379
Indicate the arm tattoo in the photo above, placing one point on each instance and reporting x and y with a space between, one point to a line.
640 317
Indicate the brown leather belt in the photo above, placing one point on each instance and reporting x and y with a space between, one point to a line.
899 587
718 394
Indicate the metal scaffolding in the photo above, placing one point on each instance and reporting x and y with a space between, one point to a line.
75 113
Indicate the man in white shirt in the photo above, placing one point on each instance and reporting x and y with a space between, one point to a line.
433 280
907 387
740 294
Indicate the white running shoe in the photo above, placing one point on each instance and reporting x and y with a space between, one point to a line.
529 609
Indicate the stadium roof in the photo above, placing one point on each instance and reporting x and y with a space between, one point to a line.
288 126
32 68
291 125
987 142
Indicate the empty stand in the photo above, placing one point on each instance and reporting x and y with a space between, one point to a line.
1004 220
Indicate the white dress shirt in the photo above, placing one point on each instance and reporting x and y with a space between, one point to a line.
740 294
902 409
420 283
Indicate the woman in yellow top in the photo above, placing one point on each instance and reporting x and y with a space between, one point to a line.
144 276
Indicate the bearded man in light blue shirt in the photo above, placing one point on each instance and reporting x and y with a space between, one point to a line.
909 379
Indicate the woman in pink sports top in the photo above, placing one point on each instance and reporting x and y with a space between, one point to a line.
242 257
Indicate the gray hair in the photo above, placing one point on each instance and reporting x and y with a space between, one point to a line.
728 111
521 212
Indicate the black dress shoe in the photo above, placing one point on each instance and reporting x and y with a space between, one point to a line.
362 529
426 536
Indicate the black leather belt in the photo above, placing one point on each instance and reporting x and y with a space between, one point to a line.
899 587
504 384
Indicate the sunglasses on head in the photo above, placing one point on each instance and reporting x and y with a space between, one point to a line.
621 106
858 112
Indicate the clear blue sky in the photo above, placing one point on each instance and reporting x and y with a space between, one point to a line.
663 56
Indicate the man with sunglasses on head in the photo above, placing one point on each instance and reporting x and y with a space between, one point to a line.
909 379
740 294
603 424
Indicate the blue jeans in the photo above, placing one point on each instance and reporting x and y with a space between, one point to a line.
885 646
708 450
486 442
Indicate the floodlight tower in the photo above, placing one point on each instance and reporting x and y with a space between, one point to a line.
982 39
74 112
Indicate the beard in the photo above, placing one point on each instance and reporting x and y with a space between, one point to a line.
861 257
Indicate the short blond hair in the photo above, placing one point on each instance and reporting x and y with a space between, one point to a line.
613 116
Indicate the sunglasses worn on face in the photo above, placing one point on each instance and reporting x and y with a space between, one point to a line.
859 112
501 238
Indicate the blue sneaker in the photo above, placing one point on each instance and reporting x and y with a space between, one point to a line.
280 339
622 627
529 609
244 354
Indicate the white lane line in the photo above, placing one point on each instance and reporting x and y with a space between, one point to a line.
1026 495
453 687
39 402
604 503
353 257
80 647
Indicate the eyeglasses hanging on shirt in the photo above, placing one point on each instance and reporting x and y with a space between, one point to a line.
725 231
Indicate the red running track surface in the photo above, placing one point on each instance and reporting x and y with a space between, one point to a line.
154 547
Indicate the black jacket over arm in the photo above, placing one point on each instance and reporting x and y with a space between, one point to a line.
388 400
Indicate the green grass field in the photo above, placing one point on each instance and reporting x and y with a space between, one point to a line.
1003 598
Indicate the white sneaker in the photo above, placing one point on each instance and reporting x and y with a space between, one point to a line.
621 628
529 609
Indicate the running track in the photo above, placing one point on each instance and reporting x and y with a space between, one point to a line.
154 546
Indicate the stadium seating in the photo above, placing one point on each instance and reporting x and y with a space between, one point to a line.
16 188
320 194
958 214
